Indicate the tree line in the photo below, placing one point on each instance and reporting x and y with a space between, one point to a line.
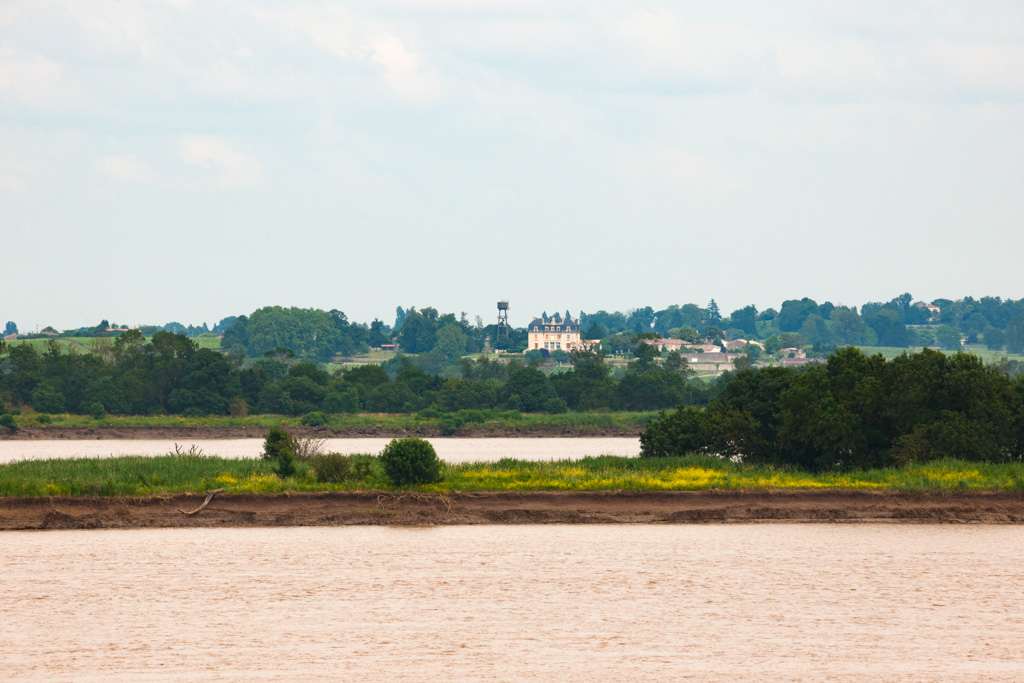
170 374
900 322
854 411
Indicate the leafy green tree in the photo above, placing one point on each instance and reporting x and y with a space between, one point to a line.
410 461
994 337
641 319
451 342
10 328
276 442
745 319
793 314
689 334
890 330
394 397
815 330
1015 334
344 400
948 338
531 388
310 333
47 400
847 327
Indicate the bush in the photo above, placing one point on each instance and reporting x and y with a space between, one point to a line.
410 461
332 468
342 401
277 442
429 413
7 420
314 419
237 407
556 406
678 433
47 401
97 411
43 419
285 463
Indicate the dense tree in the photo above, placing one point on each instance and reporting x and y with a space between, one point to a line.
855 411
793 314
745 319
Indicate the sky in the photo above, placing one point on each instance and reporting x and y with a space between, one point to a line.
188 161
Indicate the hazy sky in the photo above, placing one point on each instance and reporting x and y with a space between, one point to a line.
177 160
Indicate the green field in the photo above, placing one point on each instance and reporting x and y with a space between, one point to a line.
890 352
87 344
150 476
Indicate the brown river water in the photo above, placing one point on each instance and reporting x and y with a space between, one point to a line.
569 603
453 450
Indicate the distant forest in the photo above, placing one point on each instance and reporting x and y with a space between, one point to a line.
322 336
276 360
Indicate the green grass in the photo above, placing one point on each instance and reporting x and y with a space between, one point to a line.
148 476
626 422
84 344
890 352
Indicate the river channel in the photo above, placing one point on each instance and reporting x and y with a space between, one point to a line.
453 450
569 603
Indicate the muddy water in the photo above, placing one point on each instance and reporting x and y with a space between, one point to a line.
572 603
451 449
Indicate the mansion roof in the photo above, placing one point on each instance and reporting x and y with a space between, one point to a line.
563 324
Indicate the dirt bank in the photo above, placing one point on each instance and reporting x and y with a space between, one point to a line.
220 432
545 507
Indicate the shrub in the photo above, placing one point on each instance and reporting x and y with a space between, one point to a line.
429 413
314 419
410 461
332 468
43 419
97 411
556 406
305 449
285 463
47 401
342 401
277 442
7 420
237 407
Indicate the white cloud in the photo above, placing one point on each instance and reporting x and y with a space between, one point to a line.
33 79
225 166
125 168
352 37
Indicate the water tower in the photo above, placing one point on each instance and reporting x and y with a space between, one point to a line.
502 332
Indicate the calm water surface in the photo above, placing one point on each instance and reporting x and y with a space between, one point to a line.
574 603
450 450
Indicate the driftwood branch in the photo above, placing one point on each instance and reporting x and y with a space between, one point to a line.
209 497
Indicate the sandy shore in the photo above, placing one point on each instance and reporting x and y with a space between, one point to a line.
220 432
544 507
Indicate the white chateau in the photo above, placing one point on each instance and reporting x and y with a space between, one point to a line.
554 334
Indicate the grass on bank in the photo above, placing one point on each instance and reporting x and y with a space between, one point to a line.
471 419
148 476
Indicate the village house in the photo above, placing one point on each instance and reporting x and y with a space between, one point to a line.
554 334
665 344
738 344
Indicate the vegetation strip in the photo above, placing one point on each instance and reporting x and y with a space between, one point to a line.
138 476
